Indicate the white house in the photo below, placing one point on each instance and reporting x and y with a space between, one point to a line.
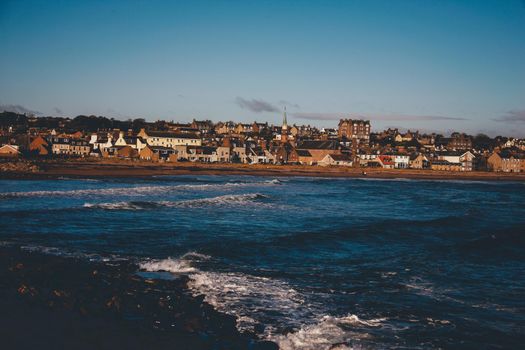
336 159
240 154
170 139
60 145
401 161
466 159
222 155
134 142
101 140
9 151
257 156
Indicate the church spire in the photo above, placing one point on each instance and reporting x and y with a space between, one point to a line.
284 128
285 123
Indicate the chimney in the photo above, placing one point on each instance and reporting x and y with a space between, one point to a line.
226 142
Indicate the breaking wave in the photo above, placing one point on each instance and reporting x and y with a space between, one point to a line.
67 253
259 302
114 191
177 266
230 199
254 300
236 294
131 205
134 191
329 333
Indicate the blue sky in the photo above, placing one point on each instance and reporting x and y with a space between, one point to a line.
431 65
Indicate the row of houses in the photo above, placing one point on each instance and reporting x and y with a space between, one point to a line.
444 161
259 143
172 147
506 162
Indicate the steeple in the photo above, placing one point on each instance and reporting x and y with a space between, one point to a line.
284 128
285 123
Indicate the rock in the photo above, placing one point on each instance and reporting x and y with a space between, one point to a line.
114 302
95 292
265 345
19 166
59 293
25 290
192 324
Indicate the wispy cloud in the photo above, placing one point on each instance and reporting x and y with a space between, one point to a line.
288 104
58 111
255 105
513 116
318 116
18 109
418 117
387 117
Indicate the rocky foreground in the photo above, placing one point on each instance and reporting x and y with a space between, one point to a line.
68 303
18 167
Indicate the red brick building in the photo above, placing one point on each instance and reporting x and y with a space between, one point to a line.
354 129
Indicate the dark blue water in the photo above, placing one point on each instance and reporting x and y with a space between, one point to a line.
306 262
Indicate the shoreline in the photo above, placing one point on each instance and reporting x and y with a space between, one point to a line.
68 302
124 168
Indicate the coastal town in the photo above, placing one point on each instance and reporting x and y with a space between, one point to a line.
352 144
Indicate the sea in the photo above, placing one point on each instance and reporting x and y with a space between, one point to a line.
306 262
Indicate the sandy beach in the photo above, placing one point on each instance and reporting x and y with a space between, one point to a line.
126 168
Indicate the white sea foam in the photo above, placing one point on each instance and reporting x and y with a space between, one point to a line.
230 199
67 253
122 191
181 265
222 200
136 190
275 181
244 296
261 301
385 179
195 256
329 333
77 179
425 288
131 205
249 298
176 266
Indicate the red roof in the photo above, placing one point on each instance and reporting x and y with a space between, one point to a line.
386 160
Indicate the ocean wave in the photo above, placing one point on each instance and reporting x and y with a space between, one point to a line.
231 199
65 178
508 242
249 298
122 191
131 205
135 191
261 304
259 301
66 253
422 287
181 265
252 299
435 180
329 333
385 179
177 266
